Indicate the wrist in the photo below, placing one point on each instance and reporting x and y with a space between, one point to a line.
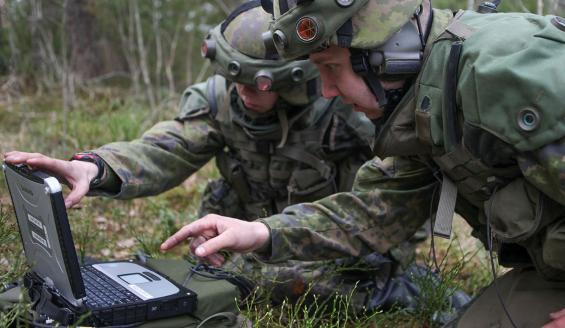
263 233
93 164
90 169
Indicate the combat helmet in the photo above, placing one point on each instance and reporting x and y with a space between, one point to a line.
384 43
236 49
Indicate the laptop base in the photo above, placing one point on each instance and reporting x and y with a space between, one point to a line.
48 303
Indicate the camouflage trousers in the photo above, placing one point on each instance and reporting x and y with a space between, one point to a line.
526 295
318 281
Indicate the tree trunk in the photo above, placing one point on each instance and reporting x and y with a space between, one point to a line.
143 63
158 46
80 28
127 41
171 60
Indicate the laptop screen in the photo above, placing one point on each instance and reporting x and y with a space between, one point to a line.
44 229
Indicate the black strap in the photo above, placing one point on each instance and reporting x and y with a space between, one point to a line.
267 6
283 6
345 34
450 122
313 88
360 63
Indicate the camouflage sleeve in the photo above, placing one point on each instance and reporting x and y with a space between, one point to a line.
390 200
166 154
545 169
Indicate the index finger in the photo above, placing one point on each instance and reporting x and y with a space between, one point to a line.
19 157
193 229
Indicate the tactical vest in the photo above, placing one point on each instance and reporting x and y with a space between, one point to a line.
475 147
305 159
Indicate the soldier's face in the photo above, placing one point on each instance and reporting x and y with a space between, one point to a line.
339 79
255 100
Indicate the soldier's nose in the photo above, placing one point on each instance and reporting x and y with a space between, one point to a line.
329 90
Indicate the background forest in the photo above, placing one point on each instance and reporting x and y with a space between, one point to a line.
76 74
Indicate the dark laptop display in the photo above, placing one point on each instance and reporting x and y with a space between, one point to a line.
115 293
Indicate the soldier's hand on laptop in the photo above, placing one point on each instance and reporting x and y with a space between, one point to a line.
75 174
213 233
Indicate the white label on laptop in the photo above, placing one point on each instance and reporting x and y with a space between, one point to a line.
40 239
35 221
141 292
46 237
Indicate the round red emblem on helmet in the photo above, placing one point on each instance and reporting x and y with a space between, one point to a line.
307 29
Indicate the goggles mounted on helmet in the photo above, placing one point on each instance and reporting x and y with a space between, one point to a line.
384 43
264 74
305 26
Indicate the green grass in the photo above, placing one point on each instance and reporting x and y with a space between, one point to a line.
108 229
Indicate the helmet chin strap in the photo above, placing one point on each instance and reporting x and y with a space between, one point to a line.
387 98
399 58
361 66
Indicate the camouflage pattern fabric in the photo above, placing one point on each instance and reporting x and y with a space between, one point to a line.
373 22
509 167
172 150
374 217
390 200
238 41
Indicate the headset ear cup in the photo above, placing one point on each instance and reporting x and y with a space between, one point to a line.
267 6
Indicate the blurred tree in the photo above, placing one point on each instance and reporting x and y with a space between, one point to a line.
81 30
150 46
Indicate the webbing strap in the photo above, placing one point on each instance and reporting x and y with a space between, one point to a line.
458 28
445 209
300 155
450 116
448 195
345 34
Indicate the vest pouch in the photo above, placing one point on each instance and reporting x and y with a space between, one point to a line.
347 171
308 185
516 212
220 198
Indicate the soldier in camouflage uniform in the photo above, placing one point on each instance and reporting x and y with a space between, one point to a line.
276 143
469 111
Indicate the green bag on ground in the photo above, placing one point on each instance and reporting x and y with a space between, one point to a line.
217 297
218 294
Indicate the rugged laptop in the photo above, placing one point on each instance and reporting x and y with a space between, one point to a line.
111 293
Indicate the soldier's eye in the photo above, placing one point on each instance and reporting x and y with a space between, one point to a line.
331 67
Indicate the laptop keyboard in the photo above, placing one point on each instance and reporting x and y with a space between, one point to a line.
102 291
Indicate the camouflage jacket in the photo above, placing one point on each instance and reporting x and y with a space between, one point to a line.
508 162
316 154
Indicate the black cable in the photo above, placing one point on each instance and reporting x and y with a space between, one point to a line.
203 270
489 244
44 325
